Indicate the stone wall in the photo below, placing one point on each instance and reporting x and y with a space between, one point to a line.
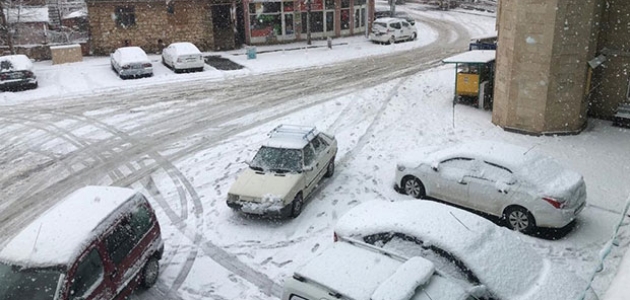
156 24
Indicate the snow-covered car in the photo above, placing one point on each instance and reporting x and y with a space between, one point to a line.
354 270
489 259
131 62
391 30
284 172
527 189
183 56
97 243
16 72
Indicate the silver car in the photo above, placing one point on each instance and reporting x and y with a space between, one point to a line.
529 190
131 62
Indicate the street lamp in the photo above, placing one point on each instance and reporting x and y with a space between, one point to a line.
308 22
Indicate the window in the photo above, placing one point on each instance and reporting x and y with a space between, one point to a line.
309 155
88 275
628 92
494 173
405 24
319 144
294 297
125 16
121 241
140 223
395 25
330 4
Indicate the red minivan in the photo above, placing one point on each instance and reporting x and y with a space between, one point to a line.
98 243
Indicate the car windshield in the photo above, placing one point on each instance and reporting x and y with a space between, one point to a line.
32 284
277 160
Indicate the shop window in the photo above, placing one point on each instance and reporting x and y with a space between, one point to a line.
317 22
252 8
287 6
330 4
125 16
288 24
357 18
265 25
330 21
345 3
270 7
359 2
345 19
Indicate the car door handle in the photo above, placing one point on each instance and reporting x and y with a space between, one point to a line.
462 182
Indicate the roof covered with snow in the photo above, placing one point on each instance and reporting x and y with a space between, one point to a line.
27 14
474 56
19 62
185 48
63 231
290 136
82 13
493 253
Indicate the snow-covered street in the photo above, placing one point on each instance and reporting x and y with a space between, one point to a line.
182 139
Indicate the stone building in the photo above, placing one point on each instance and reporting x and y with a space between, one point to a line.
152 24
545 84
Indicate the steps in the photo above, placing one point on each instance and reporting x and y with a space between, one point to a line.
622 117
54 15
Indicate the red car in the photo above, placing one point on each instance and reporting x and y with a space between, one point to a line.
98 243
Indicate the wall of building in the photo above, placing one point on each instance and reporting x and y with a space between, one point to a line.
612 79
156 25
542 68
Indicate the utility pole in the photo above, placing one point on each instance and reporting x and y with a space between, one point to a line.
5 6
308 22
392 8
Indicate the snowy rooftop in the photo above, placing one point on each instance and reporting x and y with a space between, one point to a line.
61 233
27 14
475 56
82 13
19 62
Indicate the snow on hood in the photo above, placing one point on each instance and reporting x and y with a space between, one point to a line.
403 283
501 261
185 48
62 232
18 62
543 172
264 185
130 55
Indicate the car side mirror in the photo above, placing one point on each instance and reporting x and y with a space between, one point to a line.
307 168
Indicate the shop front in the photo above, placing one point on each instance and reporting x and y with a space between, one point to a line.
270 22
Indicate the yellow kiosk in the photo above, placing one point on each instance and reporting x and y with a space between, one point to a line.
474 81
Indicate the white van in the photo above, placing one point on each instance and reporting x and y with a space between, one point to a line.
353 270
391 30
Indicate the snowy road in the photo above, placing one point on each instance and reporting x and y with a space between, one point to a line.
182 143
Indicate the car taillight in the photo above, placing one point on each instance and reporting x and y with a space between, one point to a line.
28 73
4 76
125 67
147 65
335 237
555 203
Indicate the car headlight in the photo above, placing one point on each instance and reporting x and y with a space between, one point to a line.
233 197
400 168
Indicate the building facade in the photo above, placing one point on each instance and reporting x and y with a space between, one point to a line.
153 24
545 84
272 21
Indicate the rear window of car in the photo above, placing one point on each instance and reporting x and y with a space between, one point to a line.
380 24
395 25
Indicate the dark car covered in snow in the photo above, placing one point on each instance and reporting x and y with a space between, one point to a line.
16 72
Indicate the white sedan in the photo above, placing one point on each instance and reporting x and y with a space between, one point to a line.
528 190
183 57
391 30
490 260
131 62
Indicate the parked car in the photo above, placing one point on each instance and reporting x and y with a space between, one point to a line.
183 57
131 62
525 188
284 172
16 72
391 30
98 243
353 270
490 259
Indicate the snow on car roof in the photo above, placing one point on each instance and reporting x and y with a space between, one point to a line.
474 56
542 171
496 255
343 267
387 19
285 143
291 136
185 48
19 62
61 233
132 55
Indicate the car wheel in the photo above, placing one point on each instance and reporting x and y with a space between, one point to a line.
392 40
413 187
414 36
519 219
296 207
330 170
150 272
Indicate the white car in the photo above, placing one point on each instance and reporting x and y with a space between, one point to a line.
183 57
131 62
391 30
284 172
528 190
354 270
16 72
490 259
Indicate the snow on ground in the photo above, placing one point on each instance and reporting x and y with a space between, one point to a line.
231 256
